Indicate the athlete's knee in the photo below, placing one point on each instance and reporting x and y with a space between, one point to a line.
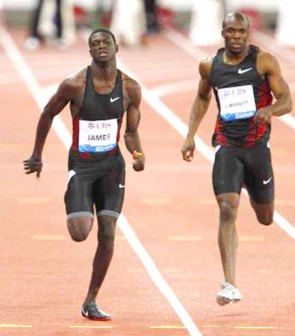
79 228
106 233
265 219
228 210
264 212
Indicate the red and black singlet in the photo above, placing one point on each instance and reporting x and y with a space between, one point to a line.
239 91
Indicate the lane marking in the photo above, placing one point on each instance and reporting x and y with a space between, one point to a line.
252 238
90 327
172 88
155 201
9 325
62 132
11 147
185 238
33 200
48 237
254 328
157 278
167 327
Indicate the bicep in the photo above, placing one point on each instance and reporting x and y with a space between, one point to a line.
133 108
59 100
273 73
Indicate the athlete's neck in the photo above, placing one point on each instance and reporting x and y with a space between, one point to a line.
232 58
104 70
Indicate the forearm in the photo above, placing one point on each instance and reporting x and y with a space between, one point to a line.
132 142
198 112
282 106
43 128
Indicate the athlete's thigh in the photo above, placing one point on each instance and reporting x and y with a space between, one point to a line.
259 178
228 172
78 196
108 193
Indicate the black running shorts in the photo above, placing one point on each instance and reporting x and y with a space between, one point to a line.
235 166
95 183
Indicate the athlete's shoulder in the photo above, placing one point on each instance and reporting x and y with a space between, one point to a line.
205 66
266 62
129 83
131 89
74 84
79 77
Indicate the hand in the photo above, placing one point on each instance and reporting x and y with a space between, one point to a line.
262 116
33 165
188 149
139 160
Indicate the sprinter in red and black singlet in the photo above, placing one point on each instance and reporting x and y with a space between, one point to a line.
242 131
244 80
99 96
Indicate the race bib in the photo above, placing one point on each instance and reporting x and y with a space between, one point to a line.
97 136
237 102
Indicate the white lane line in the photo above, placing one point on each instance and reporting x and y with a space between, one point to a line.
271 44
172 119
32 85
179 86
156 276
185 44
62 132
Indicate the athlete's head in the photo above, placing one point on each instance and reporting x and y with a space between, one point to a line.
235 31
101 30
102 44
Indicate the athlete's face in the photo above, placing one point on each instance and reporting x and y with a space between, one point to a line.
235 33
102 47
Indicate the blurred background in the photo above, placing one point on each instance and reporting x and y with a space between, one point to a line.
133 21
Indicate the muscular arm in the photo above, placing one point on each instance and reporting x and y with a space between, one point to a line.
131 136
268 66
198 110
53 108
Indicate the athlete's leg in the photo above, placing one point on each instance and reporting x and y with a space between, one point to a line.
259 179
79 226
108 196
78 199
264 212
227 234
228 176
103 256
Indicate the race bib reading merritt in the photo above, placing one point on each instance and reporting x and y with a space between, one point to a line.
237 102
97 136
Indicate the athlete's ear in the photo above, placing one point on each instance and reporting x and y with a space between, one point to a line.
222 33
117 48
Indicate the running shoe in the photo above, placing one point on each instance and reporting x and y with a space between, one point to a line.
228 294
93 312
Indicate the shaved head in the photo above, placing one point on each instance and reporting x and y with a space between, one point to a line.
235 16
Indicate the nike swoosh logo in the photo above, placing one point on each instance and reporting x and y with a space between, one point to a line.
84 312
267 181
121 186
114 99
242 71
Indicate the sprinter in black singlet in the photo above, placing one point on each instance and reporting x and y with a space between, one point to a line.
98 95
244 79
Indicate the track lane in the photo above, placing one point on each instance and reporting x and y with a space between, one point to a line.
184 202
